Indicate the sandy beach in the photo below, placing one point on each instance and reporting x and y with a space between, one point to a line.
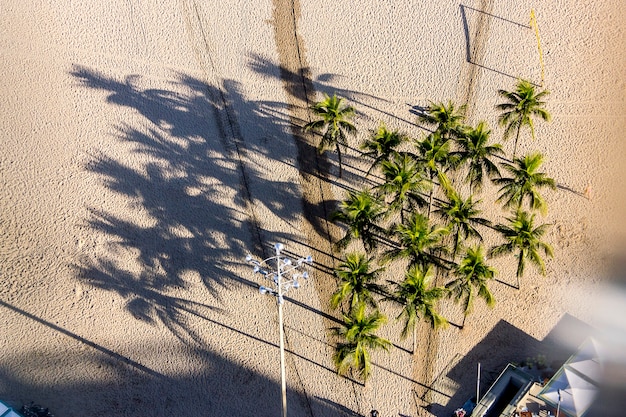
146 149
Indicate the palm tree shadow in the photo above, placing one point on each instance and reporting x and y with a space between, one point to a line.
323 83
187 158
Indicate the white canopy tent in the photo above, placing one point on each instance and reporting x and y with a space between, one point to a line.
6 411
574 388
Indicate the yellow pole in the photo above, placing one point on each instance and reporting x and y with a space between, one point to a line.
533 24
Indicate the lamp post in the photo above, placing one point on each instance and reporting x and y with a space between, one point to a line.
284 278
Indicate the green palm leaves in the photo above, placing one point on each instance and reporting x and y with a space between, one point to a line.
472 274
419 299
356 281
521 107
446 118
382 145
404 183
392 214
360 213
478 154
524 183
358 332
335 122
417 241
524 238
461 216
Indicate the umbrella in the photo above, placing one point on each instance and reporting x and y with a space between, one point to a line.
587 360
576 392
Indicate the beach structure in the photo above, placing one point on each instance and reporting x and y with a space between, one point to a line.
6 411
505 393
570 392
574 387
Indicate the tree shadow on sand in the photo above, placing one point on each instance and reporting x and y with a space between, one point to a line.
188 195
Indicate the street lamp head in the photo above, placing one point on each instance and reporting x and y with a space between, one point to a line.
248 258
278 247
295 284
287 261
263 289
305 275
309 260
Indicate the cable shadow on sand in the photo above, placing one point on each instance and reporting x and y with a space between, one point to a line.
215 386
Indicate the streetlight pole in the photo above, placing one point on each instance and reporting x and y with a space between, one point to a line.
284 278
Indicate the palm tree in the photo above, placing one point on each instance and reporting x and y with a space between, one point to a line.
461 216
522 105
416 241
473 149
419 300
435 154
446 119
335 121
356 281
404 183
358 330
524 183
360 212
472 276
523 237
382 145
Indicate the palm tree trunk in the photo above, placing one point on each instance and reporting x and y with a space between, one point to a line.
520 263
519 126
339 158
430 196
414 338
456 244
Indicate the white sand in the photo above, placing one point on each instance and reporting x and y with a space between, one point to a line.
145 149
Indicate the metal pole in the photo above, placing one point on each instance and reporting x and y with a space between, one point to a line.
290 281
282 333
558 405
478 385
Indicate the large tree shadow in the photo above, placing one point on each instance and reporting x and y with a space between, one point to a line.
188 186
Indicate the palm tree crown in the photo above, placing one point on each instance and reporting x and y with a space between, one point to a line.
404 182
461 215
335 121
435 153
473 275
523 237
446 119
382 145
521 106
474 149
419 299
358 330
356 281
360 212
417 241
524 182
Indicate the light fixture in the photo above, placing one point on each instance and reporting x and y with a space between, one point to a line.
284 278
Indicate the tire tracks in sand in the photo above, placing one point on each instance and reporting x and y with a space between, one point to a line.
317 195
228 126
425 364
